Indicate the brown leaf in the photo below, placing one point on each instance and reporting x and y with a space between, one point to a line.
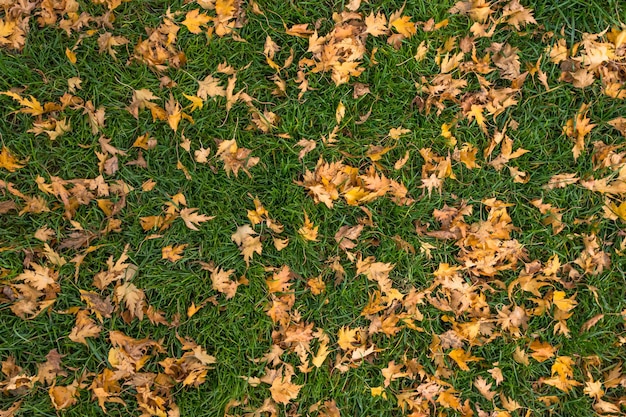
591 322
64 397
85 327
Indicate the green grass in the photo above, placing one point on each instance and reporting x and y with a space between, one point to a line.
238 332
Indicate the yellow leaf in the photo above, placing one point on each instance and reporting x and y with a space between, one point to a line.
70 55
322 354
564 304
378 392
248 245
31 106
461 358
194 19
196 102
193 309
347 338
308 231
8 161
174 113
404 26
225 9
340 112
302 30
422 50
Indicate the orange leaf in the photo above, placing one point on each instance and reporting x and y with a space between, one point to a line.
283 391
173 253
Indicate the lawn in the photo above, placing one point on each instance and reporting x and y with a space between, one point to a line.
312 208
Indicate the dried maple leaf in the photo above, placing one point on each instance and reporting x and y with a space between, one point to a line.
85 327
591 322
141 99
478 10
174 112
191 218
619 123
562 374
496 374
506 154
346 235
308 231
302 30
484 388
307 146
39 277
248 244
563 303
220 280
340 112
63 397
48 371
449 63
30 106
376 271
376 24
578 128
283 390
194 20
235 158
392 372
107 41
52 127
280 281
542 351
102 307
95 116
515 14
196 103
404 26
173 253
210 87
316 285
8 161
461 358
134 299
561 181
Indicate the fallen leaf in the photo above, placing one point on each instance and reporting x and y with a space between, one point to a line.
173 253
8 161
